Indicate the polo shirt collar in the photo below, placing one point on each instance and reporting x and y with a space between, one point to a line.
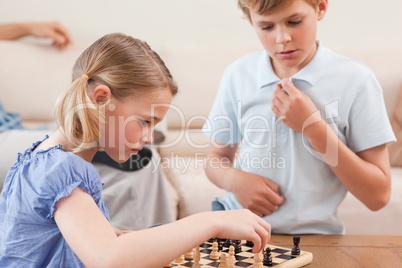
311 73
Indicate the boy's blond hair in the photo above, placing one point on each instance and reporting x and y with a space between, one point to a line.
268 6
126 65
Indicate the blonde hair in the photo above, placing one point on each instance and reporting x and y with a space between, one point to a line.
268 6
124 64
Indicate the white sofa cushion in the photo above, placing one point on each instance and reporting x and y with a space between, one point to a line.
32 76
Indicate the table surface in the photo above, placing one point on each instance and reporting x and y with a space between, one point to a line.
347 250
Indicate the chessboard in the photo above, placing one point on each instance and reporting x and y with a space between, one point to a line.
281 257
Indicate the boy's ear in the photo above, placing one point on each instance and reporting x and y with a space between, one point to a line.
101 94
322 9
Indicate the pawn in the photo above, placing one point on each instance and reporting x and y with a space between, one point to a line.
267 261
214 254
228 243
220 245
232 257
212 239
295 248
222 263
257 260
180 259
189 255
249 244
197 258
237 246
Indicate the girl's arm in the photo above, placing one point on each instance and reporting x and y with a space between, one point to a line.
254 192
94 240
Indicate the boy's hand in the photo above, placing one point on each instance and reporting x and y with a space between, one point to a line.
293 107
256 193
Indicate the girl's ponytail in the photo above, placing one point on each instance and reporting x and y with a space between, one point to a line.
78 116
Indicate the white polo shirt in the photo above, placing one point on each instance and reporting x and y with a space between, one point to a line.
349 99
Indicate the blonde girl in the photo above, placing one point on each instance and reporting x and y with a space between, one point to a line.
51 210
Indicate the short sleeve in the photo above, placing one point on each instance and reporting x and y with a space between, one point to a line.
222 124
57 175
368 122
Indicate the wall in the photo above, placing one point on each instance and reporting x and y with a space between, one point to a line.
352 24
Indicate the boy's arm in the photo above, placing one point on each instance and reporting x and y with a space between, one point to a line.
365 174
254 192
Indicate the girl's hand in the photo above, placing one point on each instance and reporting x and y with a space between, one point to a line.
242 225
293 107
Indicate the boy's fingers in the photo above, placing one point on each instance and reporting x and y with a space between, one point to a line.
288 86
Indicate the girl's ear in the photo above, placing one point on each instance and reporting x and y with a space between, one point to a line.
101 94
322 9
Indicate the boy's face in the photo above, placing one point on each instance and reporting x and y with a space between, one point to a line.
289 34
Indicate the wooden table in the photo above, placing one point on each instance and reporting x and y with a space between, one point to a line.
347 250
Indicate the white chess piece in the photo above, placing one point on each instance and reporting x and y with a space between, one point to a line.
180 259
189 255
214 254
222 263
197 258
257 260
232 258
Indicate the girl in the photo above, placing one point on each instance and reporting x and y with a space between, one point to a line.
51 209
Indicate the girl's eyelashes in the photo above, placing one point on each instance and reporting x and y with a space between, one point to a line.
145 122
267 28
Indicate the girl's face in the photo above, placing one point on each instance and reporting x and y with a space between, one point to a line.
130 122
288 35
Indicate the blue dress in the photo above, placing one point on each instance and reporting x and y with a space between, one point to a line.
29 235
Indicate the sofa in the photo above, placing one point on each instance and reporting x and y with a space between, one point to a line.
32 74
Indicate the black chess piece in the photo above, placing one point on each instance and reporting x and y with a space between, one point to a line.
228 243
295 248
220 245
212 239
267 261
237 246
250 244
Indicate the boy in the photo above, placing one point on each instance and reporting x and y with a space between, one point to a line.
311 123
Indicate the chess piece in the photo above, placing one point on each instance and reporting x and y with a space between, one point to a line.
249 244
220 245
197 258
295 248
180 259
212 239
214 254
189 255
232 258
257 260
267 261
228 243
222 263
237 246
